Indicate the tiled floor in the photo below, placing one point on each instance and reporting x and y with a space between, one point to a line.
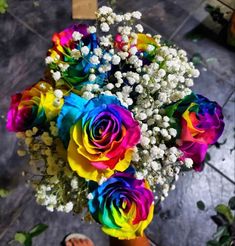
25 32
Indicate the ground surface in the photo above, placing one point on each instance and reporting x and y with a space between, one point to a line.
25 32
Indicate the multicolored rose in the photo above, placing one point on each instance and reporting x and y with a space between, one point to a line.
123 205
32 107
144 45
102 135
200 123
72 56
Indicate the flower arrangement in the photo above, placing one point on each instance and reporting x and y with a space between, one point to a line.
112 123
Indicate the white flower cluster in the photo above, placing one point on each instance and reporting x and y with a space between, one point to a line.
46 198
145 89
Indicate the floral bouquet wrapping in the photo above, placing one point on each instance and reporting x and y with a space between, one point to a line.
112 123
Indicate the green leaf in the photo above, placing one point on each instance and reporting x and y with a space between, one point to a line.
218 219
212 243
196 59
231 203
38 229
225 211
207 158
201 205
23 238
225 240
4 193
222 231
20 237
3 6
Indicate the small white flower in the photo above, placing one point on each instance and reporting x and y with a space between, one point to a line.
92 77
90 196
188 162
133 50
104 27
63 66
118 18
58 93
56 75
76 54
74 183
136 15
195 73
139 175
109 86
91 29
98 52
50 208
107 57
95 60
118 75
127 16
85 50
139 28
49 60
161 73
60 208
77 36
139 88
68 207
144 141
189 82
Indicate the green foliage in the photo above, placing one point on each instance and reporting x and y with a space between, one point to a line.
224 220
3 6
4 193
216 14
201 205
225 211
231 203
112 3
25 238
196 59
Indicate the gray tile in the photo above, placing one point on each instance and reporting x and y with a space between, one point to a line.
189 6
22 64
46 17
213 87
180 222
195 37
22 57
60 224
162 16
224 157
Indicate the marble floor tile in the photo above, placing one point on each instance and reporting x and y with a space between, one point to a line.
223 158
180 222
215 55
163 16
22 56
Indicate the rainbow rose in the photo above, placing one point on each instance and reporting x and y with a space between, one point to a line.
123 206
100 134
145 45
32 107
200 123
71 55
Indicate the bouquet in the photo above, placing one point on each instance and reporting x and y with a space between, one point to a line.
112 123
